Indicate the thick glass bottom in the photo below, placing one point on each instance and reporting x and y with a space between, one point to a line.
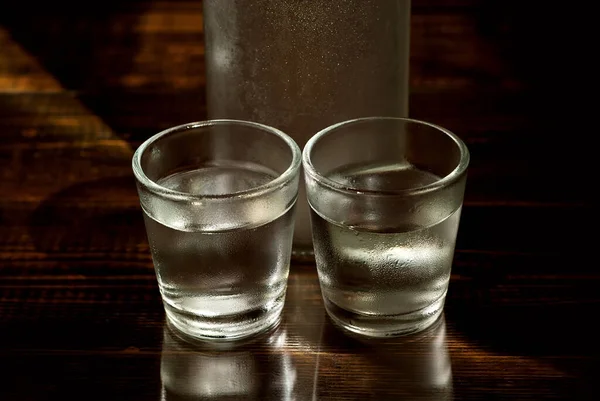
224 328
385 325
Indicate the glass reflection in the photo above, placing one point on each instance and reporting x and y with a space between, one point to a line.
256 370
415 367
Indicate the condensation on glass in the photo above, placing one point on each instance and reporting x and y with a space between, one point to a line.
303 65
386 196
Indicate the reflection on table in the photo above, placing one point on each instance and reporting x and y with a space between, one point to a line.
227 372
266 368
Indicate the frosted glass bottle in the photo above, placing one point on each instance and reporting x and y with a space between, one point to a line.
301 65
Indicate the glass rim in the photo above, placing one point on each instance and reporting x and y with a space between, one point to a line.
268 187
443 182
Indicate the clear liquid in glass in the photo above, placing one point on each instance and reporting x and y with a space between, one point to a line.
221 284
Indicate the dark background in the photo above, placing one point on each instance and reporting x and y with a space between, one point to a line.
83 84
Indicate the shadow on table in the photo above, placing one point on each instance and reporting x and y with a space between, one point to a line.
65 37
100 217
92 285
72 42
551 337
114 58
87 324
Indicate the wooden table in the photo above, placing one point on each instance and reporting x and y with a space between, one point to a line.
81 86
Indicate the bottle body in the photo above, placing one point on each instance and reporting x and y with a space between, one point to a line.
301 66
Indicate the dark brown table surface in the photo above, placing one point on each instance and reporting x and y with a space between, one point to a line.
82 85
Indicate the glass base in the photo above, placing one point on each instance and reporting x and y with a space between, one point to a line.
385 325
226 329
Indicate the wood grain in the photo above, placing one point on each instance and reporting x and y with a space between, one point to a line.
81 86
